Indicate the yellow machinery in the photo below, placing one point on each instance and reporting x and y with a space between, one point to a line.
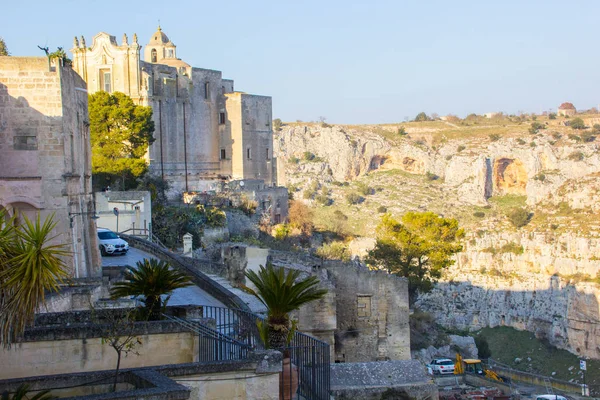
474 366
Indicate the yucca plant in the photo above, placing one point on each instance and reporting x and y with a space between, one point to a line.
281 292
151 279
21 394
29 267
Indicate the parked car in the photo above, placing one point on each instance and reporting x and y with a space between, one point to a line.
111 243
549 397
442 366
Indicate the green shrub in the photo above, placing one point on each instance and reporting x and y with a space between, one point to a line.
511 247
483 348
552 116
281 231
576 156
460 148
540 177
519 217
494 137
364 189
556 135
294 160
521 141
532 144
214 217
595 129
479 214
402 131
323 199
340 215
277 124
354 198
574 138
431 176
588 137
449 157
308 156
577 123
382 209
334 251
309 194
422 117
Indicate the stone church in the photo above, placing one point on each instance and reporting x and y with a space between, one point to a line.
204 129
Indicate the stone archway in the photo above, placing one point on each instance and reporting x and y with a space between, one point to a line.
510 177
21 208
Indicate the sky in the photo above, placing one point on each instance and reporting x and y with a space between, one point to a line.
354 62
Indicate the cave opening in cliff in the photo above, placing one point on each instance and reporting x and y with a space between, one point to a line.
510 177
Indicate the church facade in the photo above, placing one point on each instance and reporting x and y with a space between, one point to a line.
204 129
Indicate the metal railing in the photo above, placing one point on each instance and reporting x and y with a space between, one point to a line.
236 334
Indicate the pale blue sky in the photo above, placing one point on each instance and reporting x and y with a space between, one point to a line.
354 61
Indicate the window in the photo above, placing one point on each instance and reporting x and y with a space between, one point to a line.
206 91
223 154
170 53
153 55
105 80
221 118
248 154
25 143
364 305
268 154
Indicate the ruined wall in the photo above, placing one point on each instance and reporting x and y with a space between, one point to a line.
45 148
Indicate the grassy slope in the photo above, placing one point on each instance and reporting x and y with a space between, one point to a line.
508 344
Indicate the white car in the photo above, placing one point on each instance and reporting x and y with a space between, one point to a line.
442 366
111 243
549 397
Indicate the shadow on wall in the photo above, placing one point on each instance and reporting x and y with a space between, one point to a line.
568 318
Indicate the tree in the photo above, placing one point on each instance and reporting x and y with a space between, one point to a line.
419 248
301 217
577 123
30 266
281 292
277 124
151 279
422 117
3 48
118 331
120 133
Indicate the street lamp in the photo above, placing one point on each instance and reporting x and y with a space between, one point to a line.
72 216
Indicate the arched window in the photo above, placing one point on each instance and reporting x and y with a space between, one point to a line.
153 55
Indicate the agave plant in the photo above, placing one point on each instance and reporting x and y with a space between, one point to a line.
151 279
21 394
29 267
281 292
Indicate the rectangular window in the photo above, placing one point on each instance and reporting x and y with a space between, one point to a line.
248 154
105 80
25 143
268 154
221 118
206 91
223 154
364 305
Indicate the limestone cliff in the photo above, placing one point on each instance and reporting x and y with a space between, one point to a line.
541 277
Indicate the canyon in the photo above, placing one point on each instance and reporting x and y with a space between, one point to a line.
540 277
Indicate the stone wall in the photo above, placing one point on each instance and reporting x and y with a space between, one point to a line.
46 154
77 347
135 211
256 378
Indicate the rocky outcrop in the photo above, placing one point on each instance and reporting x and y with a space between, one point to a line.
465 345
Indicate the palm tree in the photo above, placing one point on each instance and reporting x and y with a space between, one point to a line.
29 266
281 292
151 279
21 394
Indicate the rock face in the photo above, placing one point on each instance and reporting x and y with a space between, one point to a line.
542 277
466 345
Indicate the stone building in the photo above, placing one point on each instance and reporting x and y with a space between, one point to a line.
567 109
205 130
45 154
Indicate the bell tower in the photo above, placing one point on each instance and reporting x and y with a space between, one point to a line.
160 48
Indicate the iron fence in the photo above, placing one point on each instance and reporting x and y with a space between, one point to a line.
307 375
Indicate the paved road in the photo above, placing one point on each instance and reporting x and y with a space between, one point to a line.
188 295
